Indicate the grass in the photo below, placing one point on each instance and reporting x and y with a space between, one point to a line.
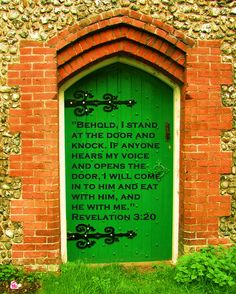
77 278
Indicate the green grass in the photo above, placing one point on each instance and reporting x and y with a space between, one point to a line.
81 279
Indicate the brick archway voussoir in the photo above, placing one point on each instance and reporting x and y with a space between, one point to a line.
122 32
158 43
117 17
121 47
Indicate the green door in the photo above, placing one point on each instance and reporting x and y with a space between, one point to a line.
119 167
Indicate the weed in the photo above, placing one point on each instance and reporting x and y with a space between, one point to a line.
9 273
215 265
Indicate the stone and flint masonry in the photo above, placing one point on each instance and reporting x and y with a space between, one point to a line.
117 135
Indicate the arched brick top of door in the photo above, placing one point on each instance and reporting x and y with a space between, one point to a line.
121 32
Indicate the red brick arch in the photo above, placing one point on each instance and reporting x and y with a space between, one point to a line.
121 32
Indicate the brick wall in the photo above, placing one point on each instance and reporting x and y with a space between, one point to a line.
38 163
203 119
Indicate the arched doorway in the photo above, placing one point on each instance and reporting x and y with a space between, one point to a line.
119 166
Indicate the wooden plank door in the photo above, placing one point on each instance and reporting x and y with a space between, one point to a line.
119 166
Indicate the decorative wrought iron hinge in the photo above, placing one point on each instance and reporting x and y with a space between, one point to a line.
84 235
82 103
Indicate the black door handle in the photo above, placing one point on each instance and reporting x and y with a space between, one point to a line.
167 131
